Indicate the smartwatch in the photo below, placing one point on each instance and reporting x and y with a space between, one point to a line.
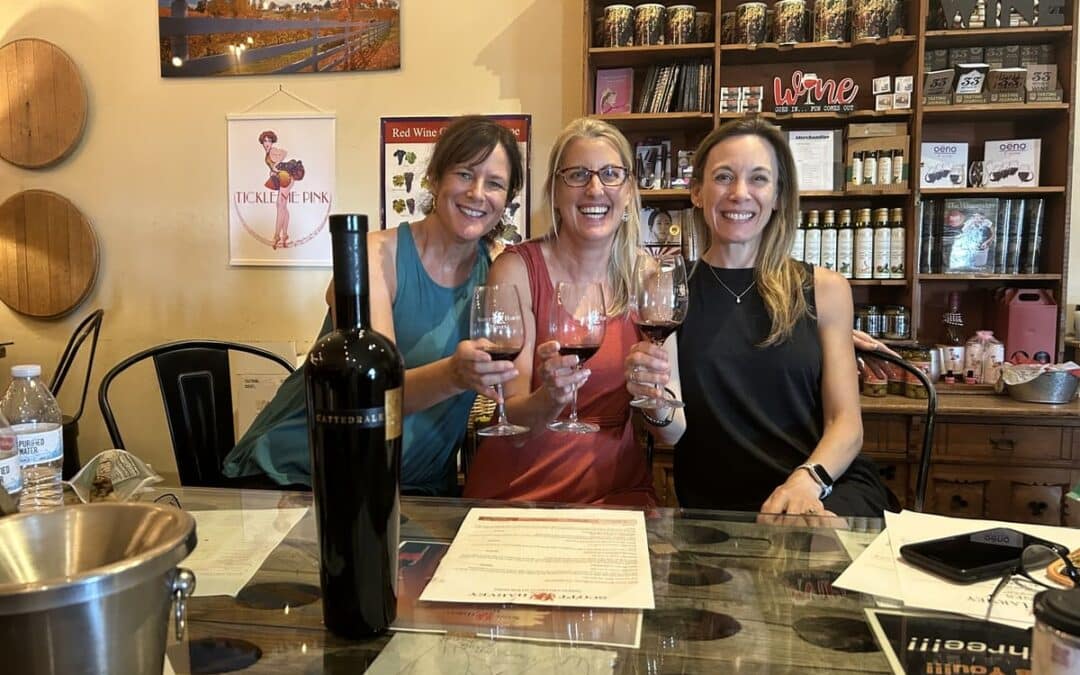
820 476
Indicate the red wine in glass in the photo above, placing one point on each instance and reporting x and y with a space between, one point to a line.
658 306
495 320
577 319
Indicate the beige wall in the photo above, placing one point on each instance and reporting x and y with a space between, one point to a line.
150 171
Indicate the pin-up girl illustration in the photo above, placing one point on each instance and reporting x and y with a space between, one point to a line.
282 175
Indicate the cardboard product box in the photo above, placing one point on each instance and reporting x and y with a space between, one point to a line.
995 57
938 86
1025 320
1012 163
970 77
1029 55
944 165
877 144
968 234
871 129
1006 85
958 55
750 104
1012 56
937 59
752 91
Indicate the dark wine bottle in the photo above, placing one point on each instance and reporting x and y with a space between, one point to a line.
354 379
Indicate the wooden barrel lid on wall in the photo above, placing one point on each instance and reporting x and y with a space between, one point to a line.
42 103
48 254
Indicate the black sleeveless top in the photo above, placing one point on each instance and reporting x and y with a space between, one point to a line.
752 414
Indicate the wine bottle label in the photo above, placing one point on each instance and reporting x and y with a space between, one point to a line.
394 399
365 418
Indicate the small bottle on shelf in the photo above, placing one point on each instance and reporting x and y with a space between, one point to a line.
845 245
952 350
799 244
897 244
856 168
897 166
812 240
884 168
869 168
864 246
828 241
882 239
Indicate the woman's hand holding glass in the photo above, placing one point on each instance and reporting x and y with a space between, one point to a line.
473 368
659 304
559 375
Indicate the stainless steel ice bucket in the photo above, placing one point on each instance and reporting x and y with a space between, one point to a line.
88 588
1050 387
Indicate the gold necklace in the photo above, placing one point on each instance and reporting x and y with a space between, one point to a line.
738 296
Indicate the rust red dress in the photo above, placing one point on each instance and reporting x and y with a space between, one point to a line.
607 467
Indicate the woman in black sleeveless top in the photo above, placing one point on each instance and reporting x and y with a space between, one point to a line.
765 356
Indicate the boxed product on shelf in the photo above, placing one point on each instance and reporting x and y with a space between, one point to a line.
970 78
1012 163
938 87
614 90
1031 55
943 165
871 148
958 55
870 129
937 59
1006 85
968 234
1041 84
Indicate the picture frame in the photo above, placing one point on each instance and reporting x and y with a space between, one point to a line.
405 147
281 194
276 38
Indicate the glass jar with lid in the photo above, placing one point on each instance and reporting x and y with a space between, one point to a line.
918 356
875 321
897 322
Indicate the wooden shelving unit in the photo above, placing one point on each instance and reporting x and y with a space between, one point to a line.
742 64
959 478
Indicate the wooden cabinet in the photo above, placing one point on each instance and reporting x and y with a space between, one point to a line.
992 457
736 65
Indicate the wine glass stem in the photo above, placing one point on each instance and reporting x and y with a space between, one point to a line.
502 406
573 400
659 389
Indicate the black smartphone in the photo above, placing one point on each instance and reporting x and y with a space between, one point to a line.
973 556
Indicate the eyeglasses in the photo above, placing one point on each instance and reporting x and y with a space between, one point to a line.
1034 558
579 176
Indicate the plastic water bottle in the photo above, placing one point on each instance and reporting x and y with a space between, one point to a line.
10 471
35 418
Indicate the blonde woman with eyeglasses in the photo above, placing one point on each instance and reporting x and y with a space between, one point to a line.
594 209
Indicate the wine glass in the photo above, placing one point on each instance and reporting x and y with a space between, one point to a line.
495 319
658 307
577 318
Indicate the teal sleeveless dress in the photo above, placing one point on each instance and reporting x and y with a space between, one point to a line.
429 321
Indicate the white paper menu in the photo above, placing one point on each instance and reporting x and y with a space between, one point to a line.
565 557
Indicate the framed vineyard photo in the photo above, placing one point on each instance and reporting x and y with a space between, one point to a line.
210 38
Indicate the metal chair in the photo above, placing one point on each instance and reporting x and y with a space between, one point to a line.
88 328
928 432
196 391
